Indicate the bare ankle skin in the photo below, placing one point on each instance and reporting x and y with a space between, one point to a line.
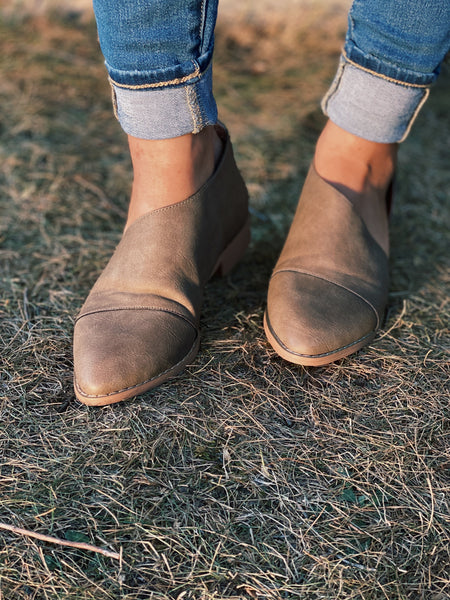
362 171
169 171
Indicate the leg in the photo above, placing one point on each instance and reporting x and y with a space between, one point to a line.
188 211
158 57
329 288
170 170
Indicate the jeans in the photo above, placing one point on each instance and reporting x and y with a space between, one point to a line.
158 54
392 54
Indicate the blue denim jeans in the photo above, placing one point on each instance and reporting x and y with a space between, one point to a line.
158 55
392 54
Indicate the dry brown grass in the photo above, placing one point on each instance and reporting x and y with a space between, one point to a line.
245 477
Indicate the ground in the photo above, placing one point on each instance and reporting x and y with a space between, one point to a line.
245 477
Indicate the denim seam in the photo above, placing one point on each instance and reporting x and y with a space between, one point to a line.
191 99
114 100
160 84
333 88
415 113
385 77
195 107
201 31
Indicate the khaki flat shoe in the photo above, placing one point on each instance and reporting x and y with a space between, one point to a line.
139 325
329 288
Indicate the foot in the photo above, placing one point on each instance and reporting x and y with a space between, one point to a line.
329 288
362 171
169 171
140 324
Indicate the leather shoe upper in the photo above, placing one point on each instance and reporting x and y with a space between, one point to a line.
329 287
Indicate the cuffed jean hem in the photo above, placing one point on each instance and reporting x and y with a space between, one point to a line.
373 106
166 110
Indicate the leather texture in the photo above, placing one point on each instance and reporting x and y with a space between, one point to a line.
329 288
140 324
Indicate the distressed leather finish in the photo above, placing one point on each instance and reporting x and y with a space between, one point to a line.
139 325
328 291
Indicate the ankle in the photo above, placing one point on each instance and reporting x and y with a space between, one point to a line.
353 163
169 171
362 171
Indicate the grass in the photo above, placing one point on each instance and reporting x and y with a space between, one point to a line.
245 477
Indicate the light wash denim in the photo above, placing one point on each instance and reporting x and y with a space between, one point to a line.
158 55
392 54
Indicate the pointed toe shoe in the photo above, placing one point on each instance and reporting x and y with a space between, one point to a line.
328 291
140 324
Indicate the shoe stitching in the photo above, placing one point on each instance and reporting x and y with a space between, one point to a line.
330 353
132 387
166 310
336 284
150 308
